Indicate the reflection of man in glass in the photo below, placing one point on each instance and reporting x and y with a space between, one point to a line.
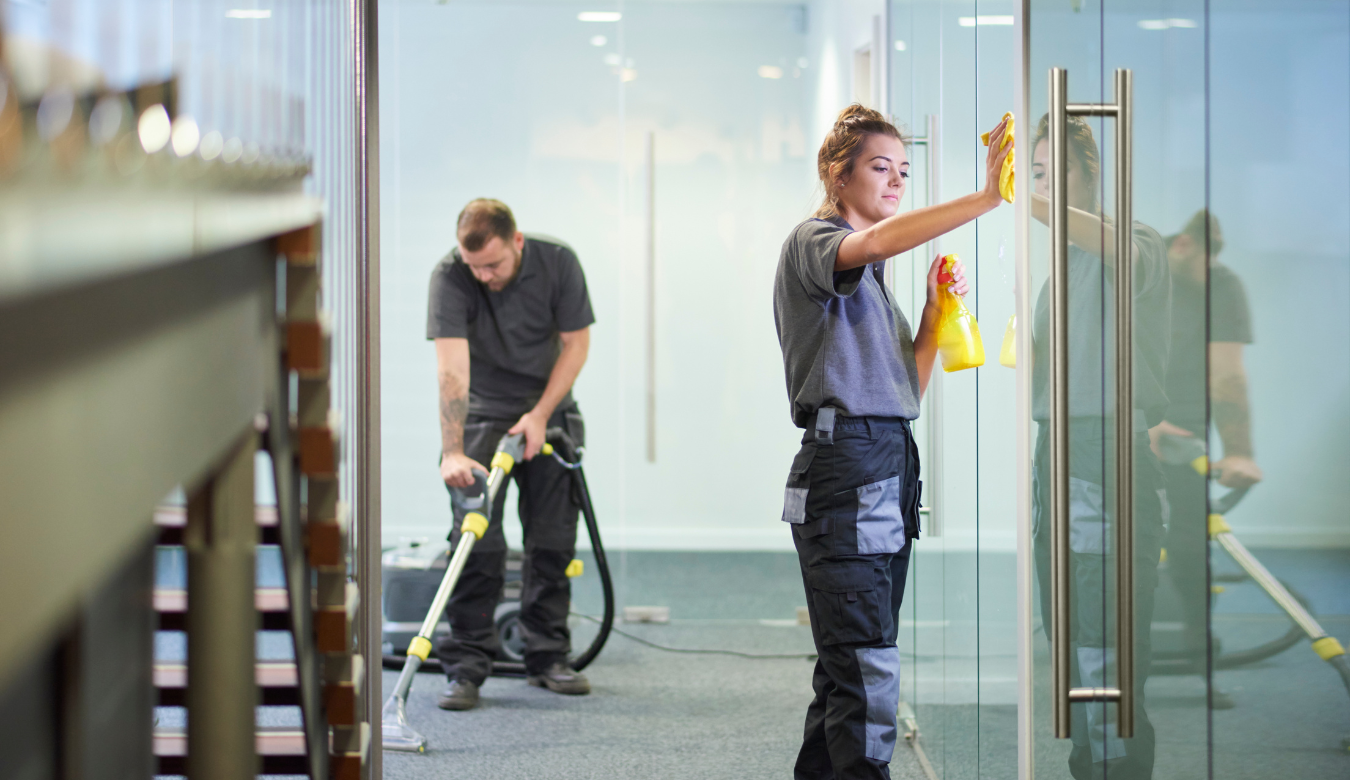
1091 271
1180 438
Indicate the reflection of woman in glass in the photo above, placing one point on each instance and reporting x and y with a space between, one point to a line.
1092 449
854 378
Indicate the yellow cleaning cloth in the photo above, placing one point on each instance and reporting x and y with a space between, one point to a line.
1005 176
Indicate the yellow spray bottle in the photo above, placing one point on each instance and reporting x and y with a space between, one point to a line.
958 335
1008 355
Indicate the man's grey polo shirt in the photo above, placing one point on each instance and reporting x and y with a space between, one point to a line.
513 334
845 342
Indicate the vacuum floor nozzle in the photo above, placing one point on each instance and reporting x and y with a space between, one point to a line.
398 734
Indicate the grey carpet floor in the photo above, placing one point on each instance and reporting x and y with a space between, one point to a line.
651 714
655 714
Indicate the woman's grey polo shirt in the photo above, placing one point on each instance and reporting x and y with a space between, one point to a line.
845 342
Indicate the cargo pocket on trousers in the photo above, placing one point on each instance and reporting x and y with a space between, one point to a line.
575 425
881 528
798 486
848 601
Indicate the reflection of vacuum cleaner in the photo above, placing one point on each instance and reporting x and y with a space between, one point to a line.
398 734
1286 598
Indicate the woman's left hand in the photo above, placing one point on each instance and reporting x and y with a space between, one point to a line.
959 284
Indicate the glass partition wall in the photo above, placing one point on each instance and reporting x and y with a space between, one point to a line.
1279 195
672 145
949 83
668 144
1207 99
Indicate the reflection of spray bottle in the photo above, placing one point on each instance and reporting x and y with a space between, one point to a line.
1007 356
958 335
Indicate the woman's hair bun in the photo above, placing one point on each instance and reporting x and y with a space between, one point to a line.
859 113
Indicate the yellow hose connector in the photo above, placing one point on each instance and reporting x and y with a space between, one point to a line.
420 646
1218 525
504 462
475 524
576 568
1328 648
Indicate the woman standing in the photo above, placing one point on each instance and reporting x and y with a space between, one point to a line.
854 379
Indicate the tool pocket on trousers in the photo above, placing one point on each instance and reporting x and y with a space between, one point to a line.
798 486
575 425
848 601
881 526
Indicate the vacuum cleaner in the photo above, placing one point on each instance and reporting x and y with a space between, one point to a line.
1290 601
478 501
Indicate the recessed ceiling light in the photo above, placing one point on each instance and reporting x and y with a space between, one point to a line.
248 13
971 21
899 45
1166 24
770 72
599 16
599 40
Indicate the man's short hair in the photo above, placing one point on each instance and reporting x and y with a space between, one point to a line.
1200 223
481 220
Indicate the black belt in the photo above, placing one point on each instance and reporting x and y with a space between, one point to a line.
824 421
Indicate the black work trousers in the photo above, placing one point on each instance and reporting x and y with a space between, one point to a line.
852 499
1188 555
548 515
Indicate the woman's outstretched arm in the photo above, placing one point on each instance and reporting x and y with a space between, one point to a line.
903 232
1086 230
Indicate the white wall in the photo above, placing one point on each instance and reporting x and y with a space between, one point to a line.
542 120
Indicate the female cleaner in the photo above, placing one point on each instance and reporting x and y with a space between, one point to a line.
854 379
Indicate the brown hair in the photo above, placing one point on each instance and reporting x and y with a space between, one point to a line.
1082 149
482 219
1200 224
843 144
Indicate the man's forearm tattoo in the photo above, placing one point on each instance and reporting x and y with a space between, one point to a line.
454 408
1232 416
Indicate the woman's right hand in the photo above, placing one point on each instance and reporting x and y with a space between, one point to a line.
993 162
959 285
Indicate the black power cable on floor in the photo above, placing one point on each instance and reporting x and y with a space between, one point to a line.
696 651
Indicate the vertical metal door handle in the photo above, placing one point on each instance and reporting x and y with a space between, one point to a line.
1062 693
650 251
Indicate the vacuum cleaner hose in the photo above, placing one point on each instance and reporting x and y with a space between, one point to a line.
569 452
602 564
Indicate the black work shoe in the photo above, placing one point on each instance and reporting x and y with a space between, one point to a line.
458 695
560 678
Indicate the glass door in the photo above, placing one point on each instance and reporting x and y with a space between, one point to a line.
1115 137
1274 257
948 83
